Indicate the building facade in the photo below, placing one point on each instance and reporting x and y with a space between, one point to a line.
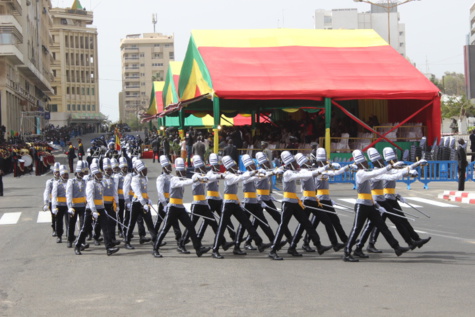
384 22
25 61
75 68
145 59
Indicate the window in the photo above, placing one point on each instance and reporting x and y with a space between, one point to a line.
142 55
156 45
69 107
74 107
74 91
168 44
171 55
88 93
88 107
55 90
93 93
68 91
142 84
53 108
93 107
83 92
142 65
142 74
83 107
54 72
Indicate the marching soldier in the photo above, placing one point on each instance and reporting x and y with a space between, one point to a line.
291 205
251 205
95 201
310 202
47 196
58 201
232 207
111 199
119 177
365 207
163 190
176 210
76 201
390 204
140 203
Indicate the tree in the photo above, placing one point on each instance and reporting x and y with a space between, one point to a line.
453 84
457 107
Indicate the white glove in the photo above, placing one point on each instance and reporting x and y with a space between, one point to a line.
150 202
222 176
146 208
353 167
273 198
252 173
95 214
335 166
400 198
203 179
263 205
45 207
413 173
54 211
71 211
333 202
129 206
380 208
279 170
261 171
422 162
165 209
398 164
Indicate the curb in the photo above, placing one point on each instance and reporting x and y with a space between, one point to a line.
458 196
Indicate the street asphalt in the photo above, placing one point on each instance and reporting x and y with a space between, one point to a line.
39 277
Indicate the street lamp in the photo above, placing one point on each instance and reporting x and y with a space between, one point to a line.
390 4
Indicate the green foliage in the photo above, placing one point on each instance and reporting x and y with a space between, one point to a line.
452 84
457 106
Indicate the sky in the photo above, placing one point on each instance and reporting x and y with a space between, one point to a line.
436 30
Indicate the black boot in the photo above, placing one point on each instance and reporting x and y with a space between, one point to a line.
348 258
144 240
54 233
400 250
96 242
249 247
128 246
372 249
424 241
216 255
202 250
116 242
274 256
337 247
281 245
77 250
359 253
84 246
261 247
59 240
322 248
182 249
293 252
238 251
89 237
156 254
307 248
227 245
111 251
69 244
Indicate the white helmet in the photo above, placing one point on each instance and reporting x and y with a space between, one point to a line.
358 157
301 159
321 155
261 157
287 157
164 160
228 162
247 160
179 164
213 159
389 154
373 154
197 161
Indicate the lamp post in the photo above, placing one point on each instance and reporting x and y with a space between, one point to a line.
390 4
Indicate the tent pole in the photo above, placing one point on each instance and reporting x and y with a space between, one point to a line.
216 116
181 119
328 120
253 122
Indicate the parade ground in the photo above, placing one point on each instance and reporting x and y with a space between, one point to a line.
39 277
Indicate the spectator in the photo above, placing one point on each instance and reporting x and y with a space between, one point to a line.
183 148
71 156
156 149
189 145
166 148
472 143
80 149
231 150
199 148
462 163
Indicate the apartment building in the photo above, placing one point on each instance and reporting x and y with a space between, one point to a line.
25 61
145 59
75 68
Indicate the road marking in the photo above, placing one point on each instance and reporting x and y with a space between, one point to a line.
440 235
353 201
10 218
430 202
348 200
44 217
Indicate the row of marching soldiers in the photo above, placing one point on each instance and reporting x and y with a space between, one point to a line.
116 198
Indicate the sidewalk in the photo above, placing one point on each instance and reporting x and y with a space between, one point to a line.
466 197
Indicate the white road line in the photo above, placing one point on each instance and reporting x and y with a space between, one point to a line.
441 235
348 200
44 217
430 202
10 218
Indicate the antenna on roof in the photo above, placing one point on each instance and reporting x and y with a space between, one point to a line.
154 21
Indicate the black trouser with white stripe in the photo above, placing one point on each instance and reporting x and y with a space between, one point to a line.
402 225
327 205
112 214
229 210
173 215
139 221
85 228
216 205
257 210
103 222
60 215
276 215
79 211
196 211
136 212
120 215
289 210
362 213
161 217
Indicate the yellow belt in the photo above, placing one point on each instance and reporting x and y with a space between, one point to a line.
390 191
309 193
144 195
321 192
176 201
294 196
212 193
167 195
98 202
231 197
365 196
79 200
377 192
250 195
120 192
199 197
108 198
131 192
263 192
61 199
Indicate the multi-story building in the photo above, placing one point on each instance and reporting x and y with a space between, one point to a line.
25 59
385 22
75 68
145 59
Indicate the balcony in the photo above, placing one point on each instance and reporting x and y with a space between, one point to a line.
12 53
14 5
